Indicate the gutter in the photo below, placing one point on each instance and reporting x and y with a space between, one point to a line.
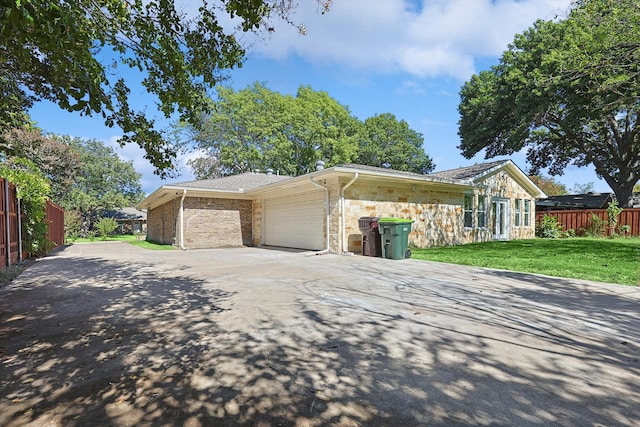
184 194
326 201
343 242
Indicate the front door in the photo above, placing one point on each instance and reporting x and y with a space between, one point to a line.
500 219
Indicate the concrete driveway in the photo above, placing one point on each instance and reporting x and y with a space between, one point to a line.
109 334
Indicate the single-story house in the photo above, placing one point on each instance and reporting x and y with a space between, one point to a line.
130 220
590 200
320 210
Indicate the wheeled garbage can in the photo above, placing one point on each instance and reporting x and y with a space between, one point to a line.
395 237
370 236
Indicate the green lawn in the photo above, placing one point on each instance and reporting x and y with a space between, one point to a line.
131 239
602 260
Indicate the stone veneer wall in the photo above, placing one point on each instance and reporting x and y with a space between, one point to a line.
502 185
213 223
438 214
162 223
256 226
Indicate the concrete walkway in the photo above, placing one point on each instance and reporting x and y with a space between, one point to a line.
110 334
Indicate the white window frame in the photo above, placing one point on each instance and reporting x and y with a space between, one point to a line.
517 218
527 213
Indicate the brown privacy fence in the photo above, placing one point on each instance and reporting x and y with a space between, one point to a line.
55 225
11 248
582 220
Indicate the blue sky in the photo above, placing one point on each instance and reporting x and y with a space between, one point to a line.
408 58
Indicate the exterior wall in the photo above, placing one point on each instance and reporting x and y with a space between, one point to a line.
257 210
213 223
162 223
438 213
502 185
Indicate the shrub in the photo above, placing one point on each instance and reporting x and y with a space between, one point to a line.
549 228
596 226
106 226
613 212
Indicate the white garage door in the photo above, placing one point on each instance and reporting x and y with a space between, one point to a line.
296 221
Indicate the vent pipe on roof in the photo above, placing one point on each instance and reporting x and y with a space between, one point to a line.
319 165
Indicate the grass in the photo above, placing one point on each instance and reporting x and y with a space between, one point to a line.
601 260
129 238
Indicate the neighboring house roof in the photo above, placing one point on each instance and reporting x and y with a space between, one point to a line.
131 214
577 201
248 185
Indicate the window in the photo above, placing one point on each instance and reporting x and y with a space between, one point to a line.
527 212
518 209
468 210
482 211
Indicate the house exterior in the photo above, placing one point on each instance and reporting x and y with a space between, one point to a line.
320 210
130 220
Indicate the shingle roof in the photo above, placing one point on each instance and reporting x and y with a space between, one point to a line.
468 172
125 214
245 181
582 201
377 169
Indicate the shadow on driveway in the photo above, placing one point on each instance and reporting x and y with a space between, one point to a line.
108 337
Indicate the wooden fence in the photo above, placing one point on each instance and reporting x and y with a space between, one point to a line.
581 220
9 225
55 225
11 248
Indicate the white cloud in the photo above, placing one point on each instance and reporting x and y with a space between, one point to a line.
150 182
440 38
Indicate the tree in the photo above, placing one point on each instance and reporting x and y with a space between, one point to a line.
33 192
567 91
582 188
103 182
550 186
54 158
391 143
73 54
256 128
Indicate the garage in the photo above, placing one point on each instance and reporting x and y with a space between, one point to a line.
295 221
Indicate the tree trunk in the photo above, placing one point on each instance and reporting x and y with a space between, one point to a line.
624 194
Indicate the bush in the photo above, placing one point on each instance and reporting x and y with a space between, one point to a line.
549 228
106 226
596 226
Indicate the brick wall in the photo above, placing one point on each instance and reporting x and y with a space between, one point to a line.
162 223
212 223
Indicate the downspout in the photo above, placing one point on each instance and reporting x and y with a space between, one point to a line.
326 201
343 230
184 194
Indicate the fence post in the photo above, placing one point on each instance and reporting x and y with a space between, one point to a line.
8 222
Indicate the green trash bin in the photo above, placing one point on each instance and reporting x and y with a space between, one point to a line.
395 237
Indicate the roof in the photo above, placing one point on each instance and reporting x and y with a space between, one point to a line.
131 214
577 201
249 185
470 172
244 181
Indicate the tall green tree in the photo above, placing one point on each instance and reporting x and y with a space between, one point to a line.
76 54
391 143
550 186
54 158
567 91
257 128
104 181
